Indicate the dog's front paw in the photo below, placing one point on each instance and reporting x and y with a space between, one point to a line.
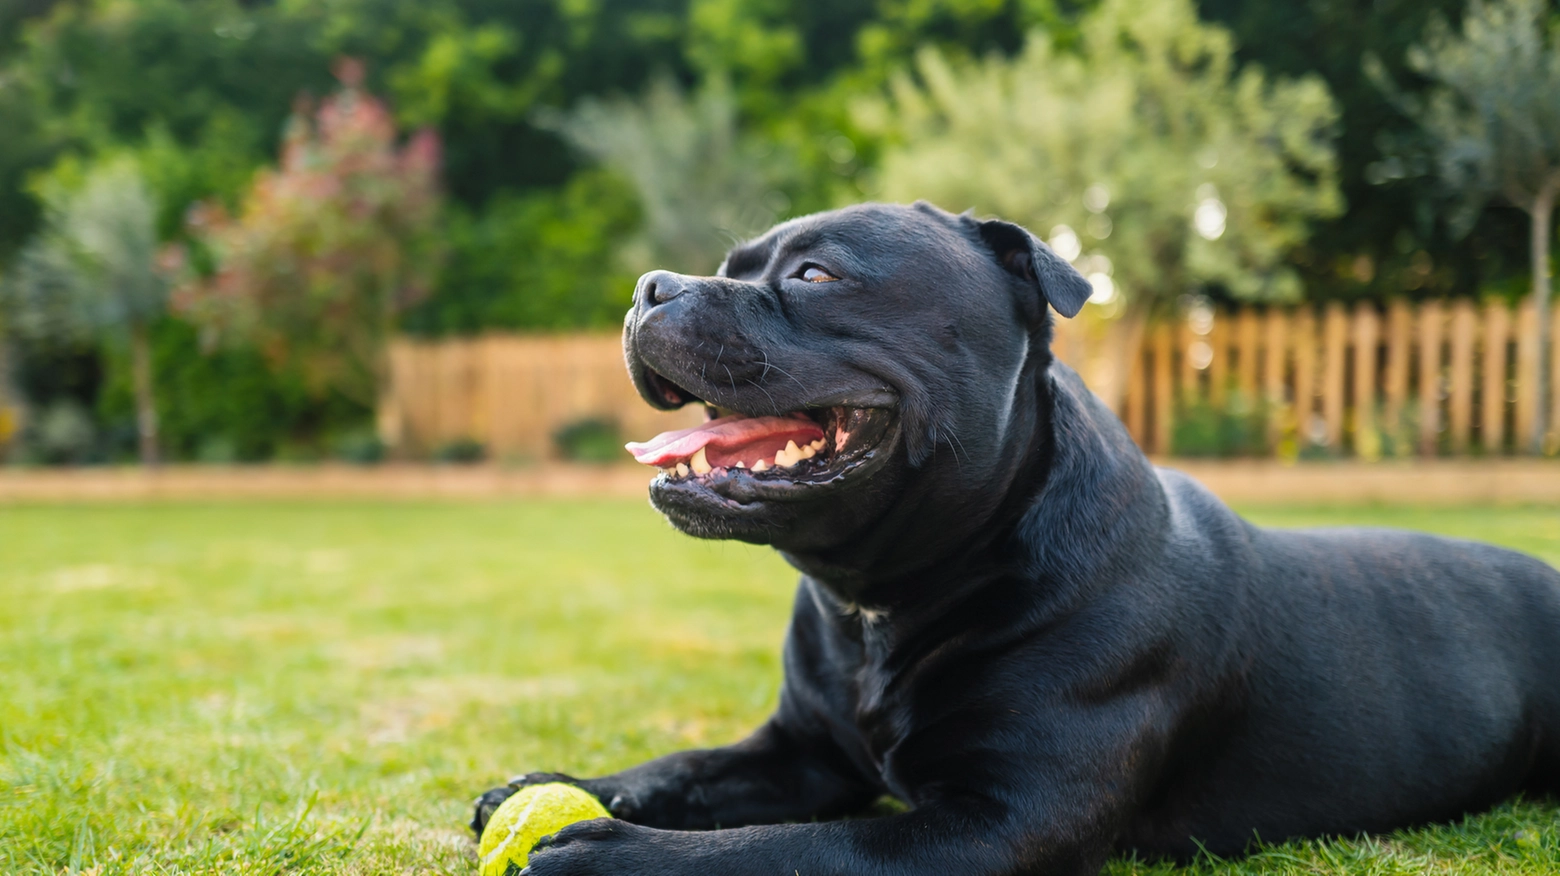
485 806
600 847
491 800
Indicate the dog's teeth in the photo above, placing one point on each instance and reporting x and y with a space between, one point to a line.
760 465
790 456
809 452
740 464
816 445
701 465
682 469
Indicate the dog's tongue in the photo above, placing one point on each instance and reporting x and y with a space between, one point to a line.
726 440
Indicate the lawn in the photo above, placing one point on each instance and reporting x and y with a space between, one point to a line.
321 688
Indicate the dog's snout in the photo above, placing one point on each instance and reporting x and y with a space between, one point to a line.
659 287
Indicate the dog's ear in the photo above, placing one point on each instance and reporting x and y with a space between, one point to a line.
1027 256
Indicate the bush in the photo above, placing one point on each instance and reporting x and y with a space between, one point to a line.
594 440
461 451
545 260
360 447
224 406
61 434
1239 428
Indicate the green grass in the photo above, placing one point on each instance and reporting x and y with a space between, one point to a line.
321 688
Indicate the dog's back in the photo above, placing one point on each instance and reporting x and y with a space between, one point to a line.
1383 679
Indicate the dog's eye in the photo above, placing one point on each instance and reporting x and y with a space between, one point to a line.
815 274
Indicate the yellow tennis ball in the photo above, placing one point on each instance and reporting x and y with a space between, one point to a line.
528 815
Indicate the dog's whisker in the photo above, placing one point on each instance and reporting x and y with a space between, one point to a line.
772 404
768 365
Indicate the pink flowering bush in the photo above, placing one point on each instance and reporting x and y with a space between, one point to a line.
327 248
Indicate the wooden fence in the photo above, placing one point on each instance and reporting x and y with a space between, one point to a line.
1443 378
512 393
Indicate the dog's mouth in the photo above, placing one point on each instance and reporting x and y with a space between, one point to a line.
811 446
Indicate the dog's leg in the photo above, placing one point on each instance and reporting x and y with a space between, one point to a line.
769 777
974 837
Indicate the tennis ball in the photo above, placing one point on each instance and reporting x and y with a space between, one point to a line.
528 815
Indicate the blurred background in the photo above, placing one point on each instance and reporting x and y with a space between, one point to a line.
361 230
258 253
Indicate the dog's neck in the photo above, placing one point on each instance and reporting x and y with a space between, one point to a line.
1071 488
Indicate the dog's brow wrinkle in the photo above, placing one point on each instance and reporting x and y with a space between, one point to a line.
745 259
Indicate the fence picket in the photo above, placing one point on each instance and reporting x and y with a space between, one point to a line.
1275 353
1305 372
1365 349
1336 328
1219 367
1400 322
1246 331
1552 445
1164 388
1136 401
1492 401
1461 377
1191 375
1527 372
1430 416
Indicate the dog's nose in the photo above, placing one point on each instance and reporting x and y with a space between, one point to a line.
659 287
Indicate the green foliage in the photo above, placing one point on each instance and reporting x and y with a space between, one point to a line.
96 271
702 185
1146 153
590 440
757 42
1236 428
1394 238
550 259
227 404
756 118
361 447
95 267
460 451
63 433
1491 117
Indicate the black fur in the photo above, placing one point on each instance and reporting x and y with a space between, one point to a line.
1046 647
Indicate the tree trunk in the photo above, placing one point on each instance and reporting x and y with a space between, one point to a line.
9 415
145 404
1542 209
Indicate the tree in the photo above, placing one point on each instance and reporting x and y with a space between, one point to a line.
1143 156
96 270
702 186
328 248
1493 119
1392 239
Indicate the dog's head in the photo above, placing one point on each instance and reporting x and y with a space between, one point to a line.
849 363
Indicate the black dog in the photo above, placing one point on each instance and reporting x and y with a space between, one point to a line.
1013 623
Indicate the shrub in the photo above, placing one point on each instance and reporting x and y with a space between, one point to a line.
462 451
594 440
1238 428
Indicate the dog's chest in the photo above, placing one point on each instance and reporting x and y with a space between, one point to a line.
882 709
